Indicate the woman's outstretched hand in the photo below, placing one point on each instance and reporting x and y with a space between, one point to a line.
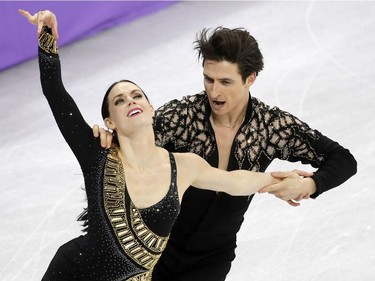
294 186
41 19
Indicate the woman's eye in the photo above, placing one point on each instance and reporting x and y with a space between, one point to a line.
138 96
118 101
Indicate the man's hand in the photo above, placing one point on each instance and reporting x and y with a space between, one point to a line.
294 186
42 18
105 136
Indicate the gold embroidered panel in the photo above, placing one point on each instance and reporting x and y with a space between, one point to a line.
141 244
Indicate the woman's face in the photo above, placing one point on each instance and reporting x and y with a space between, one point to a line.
128 108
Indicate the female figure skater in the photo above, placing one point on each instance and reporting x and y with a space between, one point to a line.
134 188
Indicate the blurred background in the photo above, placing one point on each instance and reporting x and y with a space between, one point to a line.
319 65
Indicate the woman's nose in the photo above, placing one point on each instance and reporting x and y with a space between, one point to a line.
130 101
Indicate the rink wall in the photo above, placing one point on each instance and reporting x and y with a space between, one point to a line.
77 19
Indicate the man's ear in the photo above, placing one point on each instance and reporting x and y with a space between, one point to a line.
251 78
109 123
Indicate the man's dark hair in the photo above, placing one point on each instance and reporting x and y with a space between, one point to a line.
233 45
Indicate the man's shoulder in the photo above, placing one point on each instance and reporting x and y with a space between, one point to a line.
196 98
262 110
188 101
261 107
257 103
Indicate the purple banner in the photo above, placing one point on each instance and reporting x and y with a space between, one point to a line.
76 20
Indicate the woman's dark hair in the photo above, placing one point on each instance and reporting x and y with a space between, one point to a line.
105 104
233 45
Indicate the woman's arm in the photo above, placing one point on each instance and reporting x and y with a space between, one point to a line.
197 172
67 115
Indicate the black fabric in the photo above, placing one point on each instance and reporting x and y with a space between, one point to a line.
183 266
62 267
209 221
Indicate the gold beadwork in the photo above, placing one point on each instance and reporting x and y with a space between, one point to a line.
141 244
154 242
47 42
141 277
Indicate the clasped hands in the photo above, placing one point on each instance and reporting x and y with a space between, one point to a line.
293 185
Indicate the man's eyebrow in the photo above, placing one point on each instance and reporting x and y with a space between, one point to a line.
220 79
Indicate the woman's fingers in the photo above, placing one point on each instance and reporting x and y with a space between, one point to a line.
32 19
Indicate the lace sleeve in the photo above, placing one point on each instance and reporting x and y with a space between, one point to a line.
335 164
180 125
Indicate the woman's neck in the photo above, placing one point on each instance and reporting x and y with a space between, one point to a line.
139 150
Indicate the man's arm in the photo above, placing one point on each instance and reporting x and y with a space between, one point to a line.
335 164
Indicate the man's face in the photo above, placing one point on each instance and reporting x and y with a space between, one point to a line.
226 91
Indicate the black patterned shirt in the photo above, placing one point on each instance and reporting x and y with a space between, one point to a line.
208 221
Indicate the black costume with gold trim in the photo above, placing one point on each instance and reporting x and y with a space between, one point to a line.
122 241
